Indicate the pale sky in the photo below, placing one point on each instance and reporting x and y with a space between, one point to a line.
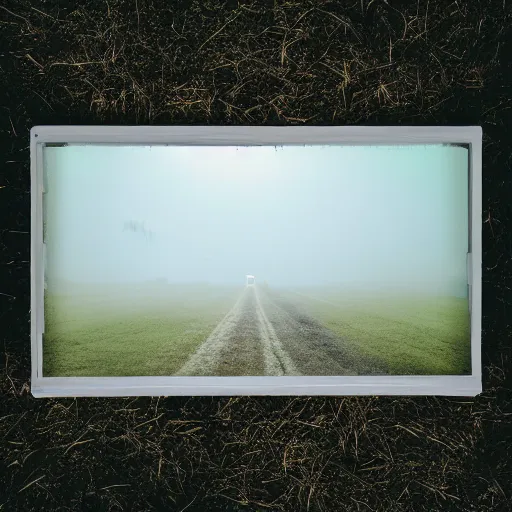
290 215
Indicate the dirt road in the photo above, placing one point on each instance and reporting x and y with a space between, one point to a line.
266 334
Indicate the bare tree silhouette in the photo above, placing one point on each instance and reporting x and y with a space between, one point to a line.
138 227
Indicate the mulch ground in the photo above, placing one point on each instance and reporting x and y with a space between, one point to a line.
259 63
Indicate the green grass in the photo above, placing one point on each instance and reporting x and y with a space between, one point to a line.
418 335
129 332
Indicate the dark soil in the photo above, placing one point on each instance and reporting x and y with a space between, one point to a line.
268 63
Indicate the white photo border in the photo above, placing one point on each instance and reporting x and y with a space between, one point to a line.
448 385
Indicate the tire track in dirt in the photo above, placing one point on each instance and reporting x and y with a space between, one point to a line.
205 360
268 334
316 349
243 343
277 361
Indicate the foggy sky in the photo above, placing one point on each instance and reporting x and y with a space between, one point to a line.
373 216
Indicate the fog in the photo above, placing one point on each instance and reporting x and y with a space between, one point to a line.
369 217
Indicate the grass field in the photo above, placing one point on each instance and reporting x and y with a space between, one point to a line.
129 331
412 334
153 329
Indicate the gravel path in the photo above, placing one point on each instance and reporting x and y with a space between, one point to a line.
266 334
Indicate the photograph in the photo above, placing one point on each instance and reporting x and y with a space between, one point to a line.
260 260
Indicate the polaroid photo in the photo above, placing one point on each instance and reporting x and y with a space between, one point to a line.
256 260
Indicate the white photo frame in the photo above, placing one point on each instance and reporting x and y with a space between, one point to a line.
451 385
